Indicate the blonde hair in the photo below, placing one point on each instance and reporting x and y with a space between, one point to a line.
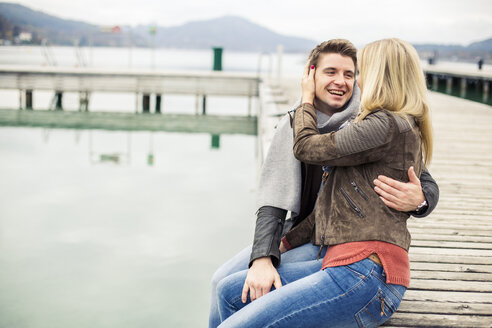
391 78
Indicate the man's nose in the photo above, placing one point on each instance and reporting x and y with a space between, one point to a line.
339 79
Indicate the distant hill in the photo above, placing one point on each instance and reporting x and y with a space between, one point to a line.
481 49
230 32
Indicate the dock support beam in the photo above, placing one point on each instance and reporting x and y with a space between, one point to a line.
157 104
249 106
486 87
21 99
435 81
84 101
29 99
449 85
59 100
463 87
204 105
146 103
197 104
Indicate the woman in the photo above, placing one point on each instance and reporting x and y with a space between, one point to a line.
365 271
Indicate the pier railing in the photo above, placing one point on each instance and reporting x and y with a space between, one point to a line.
141 82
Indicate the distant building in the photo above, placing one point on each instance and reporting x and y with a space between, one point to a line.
25 37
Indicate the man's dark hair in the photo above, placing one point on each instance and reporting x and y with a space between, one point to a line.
337 46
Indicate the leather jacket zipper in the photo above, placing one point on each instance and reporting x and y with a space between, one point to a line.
352 204
359 190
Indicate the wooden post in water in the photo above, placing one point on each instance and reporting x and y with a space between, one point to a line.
449 84
197 104
249 106
21 100
204 105
485 96
157 104
83 101
463 87
29 99
59 100
146 103
435 81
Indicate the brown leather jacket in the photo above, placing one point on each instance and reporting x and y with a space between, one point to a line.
349 209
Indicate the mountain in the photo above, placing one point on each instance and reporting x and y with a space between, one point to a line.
229 32
41 25
233 33
471 52
482 45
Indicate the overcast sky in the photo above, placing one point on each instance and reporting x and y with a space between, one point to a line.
361 21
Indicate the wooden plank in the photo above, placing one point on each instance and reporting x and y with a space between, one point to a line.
458 232
448 296
460 238
448 267
470 227
129 81
444 307
440 258
438 320
450 251
450 244
445 275
453 285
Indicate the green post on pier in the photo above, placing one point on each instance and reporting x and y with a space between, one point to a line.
217 59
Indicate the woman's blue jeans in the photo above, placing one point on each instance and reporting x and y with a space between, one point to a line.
240 262
354 295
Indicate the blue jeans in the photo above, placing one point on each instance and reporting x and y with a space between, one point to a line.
240 263
354 295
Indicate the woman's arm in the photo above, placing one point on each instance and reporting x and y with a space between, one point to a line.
300 234
362 142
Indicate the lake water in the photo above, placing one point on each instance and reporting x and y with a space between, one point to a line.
86 241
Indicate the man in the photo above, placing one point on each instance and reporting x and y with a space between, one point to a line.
287 185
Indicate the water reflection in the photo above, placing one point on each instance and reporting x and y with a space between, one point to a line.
118 245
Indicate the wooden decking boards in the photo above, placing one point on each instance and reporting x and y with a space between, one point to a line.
451 252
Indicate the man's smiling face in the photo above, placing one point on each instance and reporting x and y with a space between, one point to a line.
334 79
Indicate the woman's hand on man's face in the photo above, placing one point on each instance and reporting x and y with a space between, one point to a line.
308 85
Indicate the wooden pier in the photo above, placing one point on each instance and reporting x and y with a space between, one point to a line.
144 83
452 80
451 251
28 79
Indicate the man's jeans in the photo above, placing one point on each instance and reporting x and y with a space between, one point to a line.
354 295
240 262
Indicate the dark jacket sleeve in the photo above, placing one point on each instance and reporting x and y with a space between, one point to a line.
269 224
431 194
300 234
